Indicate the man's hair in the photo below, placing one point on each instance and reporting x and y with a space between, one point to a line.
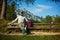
22 12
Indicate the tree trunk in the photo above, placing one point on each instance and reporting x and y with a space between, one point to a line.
3 9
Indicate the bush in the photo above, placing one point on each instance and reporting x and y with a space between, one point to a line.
3 25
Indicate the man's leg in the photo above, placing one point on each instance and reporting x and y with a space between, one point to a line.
24 30
21 25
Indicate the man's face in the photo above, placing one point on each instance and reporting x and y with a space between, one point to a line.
21 14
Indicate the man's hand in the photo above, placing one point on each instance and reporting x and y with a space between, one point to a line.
9 23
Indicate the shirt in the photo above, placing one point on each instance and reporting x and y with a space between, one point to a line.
20 19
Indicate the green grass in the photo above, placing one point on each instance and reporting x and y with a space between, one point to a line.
25 37
3 25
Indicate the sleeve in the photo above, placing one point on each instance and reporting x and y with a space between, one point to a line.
25 18
14 20
17 15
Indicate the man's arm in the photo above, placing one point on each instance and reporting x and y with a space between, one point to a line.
13 21
25 18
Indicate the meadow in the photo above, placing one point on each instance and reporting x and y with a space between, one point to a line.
26 37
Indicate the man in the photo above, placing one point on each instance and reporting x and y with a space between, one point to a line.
21 22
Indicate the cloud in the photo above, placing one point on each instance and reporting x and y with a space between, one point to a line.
37 10
43 6
40 8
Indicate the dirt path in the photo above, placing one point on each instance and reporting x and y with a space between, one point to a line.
34 33
46 33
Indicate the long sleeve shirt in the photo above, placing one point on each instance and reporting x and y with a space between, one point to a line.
20 19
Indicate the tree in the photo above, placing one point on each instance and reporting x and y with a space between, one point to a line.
55 0
3 9
0 6
57 19
41 19
11 15
48 19
5 1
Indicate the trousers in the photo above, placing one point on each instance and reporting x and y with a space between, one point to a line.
22 27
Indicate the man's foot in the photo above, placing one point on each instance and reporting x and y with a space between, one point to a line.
25 34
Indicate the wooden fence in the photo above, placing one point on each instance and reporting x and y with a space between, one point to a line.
50 27
14 27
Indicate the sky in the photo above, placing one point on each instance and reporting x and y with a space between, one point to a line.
42 8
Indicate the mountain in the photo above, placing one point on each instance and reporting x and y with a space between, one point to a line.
30 15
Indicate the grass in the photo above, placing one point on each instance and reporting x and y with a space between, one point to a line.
46 26
25 37
3 25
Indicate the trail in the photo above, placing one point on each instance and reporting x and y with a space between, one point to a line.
34 33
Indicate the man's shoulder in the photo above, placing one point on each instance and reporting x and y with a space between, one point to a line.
24 17
19 16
